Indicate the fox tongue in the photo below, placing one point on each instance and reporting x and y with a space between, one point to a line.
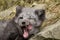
30 27
25 35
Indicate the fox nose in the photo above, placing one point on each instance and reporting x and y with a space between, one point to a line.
23 22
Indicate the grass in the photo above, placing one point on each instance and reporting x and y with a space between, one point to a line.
53 7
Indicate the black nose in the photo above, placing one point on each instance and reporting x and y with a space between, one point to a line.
23 22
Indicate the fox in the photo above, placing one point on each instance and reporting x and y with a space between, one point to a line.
24 24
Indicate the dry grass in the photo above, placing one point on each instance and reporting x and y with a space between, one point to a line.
53 8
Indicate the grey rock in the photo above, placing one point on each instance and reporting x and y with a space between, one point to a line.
52 31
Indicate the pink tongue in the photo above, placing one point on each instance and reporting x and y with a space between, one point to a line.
29 27
25 35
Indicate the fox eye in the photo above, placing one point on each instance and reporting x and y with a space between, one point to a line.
20 17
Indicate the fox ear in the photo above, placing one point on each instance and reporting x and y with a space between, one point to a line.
18 10
40 13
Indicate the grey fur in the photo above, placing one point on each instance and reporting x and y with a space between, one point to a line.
13 30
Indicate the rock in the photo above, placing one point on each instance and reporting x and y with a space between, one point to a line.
43 38
52 31
49 32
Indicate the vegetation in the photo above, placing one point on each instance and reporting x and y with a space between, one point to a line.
52 9
4 4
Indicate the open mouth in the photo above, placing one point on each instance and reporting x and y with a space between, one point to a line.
26 30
